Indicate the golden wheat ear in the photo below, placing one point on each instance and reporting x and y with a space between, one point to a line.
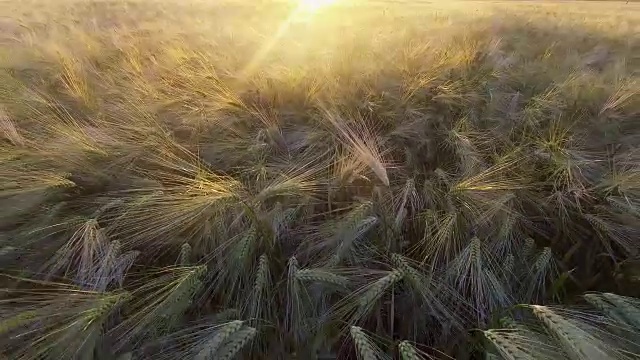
185 200
90 259
18 178
79 257
357 138
9 130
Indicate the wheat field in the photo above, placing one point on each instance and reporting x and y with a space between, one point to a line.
278 180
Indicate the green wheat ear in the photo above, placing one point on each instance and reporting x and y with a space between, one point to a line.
243 249
377 289
627 307
125 356
407 351
321 276
346 231
508 345
57 320
211 346
235 343
364 348
19 320
508 323
409 272
161 304
185 255
105 306
600 302
296 307
430 291
538 281
529 248
258 301
577 343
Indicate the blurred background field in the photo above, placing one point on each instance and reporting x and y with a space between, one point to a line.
284 180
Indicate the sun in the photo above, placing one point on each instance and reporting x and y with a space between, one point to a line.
314 5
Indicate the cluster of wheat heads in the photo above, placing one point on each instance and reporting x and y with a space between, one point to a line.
154 205
605 329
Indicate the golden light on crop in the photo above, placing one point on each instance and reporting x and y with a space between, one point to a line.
314 5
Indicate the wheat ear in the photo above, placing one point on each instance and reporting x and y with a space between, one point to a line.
627 307
17 321
364 348
210 347
185 254
321 276
578 344
509 349
407 351
379 287
235 343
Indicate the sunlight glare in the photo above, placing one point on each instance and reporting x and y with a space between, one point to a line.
314 5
